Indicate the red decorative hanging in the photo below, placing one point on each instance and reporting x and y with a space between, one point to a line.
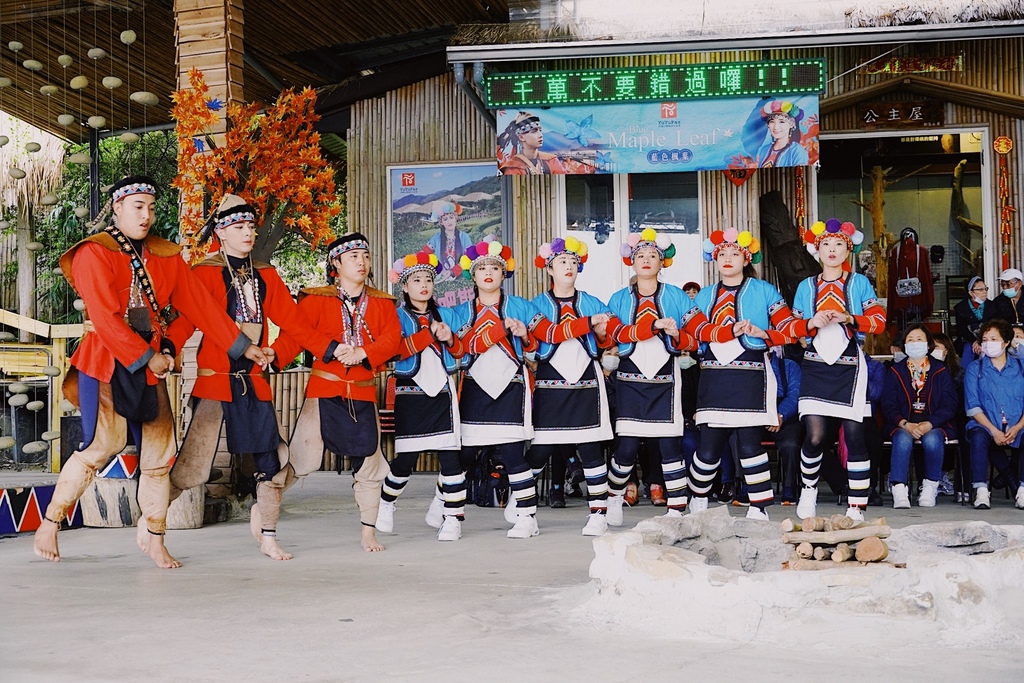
1003 146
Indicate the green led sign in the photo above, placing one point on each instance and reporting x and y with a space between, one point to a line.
654 83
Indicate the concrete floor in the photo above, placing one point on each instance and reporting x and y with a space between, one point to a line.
482 609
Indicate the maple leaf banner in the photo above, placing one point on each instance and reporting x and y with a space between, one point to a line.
271 159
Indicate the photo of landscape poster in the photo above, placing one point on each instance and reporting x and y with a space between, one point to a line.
421 195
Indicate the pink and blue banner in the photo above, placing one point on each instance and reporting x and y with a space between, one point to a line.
656 137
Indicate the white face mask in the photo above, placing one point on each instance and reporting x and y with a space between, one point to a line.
686 362
939 354
899 356
979 299
916 350
610 363
992 349
1016 348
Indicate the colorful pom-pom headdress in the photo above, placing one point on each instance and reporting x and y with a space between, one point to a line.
648 237
732 237
441 209
773 107
570 245
422 261
848 232
491 250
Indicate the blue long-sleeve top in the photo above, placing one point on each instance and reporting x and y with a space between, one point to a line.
995 393
789 390
938 395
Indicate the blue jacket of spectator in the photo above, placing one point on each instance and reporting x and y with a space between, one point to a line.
995 393
789 386
938 395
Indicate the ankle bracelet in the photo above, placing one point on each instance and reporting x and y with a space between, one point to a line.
52 521
155 533
269 533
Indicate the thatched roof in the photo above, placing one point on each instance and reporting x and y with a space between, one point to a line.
598 20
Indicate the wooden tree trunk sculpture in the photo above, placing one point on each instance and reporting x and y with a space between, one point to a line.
785 245
962 224
880 246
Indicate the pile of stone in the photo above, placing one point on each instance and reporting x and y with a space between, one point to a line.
823 542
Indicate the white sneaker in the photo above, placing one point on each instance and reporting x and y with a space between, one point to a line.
385 517
808 503
673 513
451 529
525 527
510 509
929 492
982 499
597 524
757 513
614 515
857 514
900 497
1019 501
435 513
698 504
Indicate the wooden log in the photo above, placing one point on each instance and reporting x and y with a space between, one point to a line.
872 549
838 523
880 521
805 550
813 524
791 525
811 565
822 552
110 502
187 511
842 553
836 537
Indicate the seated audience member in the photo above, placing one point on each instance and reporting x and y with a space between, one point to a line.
919 404
994 400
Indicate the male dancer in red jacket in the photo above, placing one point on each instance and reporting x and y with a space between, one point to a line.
235 392
127 277
343 415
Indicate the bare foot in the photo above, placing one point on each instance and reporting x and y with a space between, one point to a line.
369 540
256 523
270 548
45 541
142 535
158 553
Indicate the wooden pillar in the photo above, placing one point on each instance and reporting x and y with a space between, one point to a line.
209 36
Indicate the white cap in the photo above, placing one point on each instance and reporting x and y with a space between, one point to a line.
1011 274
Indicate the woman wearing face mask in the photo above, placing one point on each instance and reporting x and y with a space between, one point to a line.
738 390
919 404
570 405
839 307
1016 348
970 312
994 399
426 404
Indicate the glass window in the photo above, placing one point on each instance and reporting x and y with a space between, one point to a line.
666 202
590 204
